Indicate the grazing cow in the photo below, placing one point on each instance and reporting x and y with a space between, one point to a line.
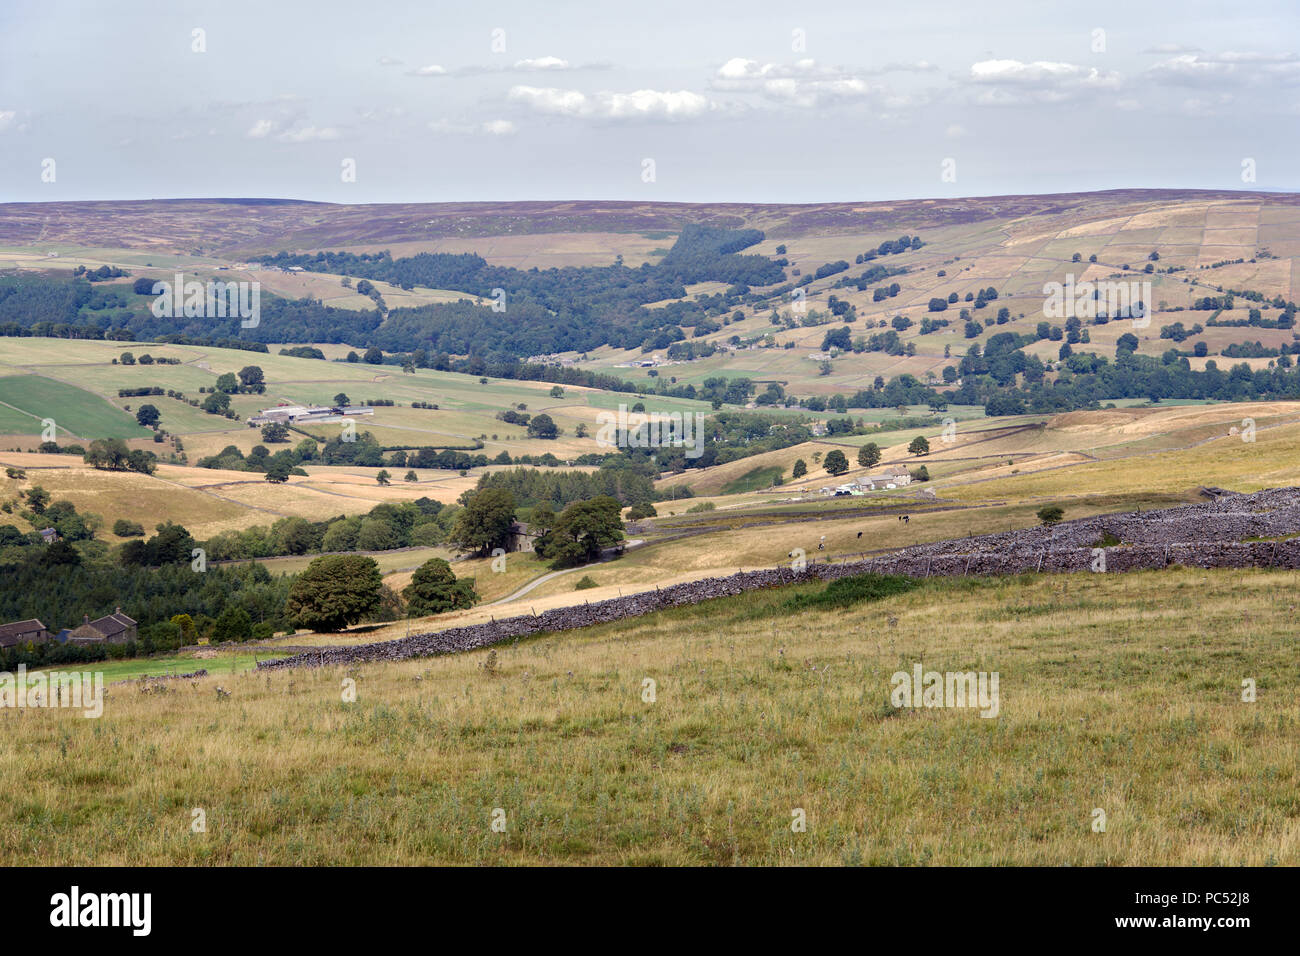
904 518
859 534
821 545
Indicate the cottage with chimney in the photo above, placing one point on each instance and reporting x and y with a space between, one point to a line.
115 628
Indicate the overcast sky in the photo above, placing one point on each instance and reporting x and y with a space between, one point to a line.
693 101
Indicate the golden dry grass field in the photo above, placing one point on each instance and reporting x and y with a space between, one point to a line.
1116 694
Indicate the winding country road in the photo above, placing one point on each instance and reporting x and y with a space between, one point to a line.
535 582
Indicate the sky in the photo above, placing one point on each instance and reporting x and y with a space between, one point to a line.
701 101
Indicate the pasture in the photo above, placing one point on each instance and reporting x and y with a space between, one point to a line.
1111 698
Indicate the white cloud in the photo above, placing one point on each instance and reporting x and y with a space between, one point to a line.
1230 69
264 128
956 131
739 73
806 83
551 100
433 69
309 134
542 63
639 104
496 127
807 93
539 64
1016 83
1167 48
739 68
682 104
7 118
389 61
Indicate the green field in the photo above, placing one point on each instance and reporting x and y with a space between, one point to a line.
170 664
77 412
753 480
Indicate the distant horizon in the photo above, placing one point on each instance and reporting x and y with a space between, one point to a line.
659 202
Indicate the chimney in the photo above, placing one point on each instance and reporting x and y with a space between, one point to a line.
85 619
118 610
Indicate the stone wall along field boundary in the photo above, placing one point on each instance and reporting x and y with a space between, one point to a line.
1209 535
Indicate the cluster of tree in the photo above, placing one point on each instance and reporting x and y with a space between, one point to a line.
891 247
421 523
545 310
1086 380
128 358
872 276
101 274
828 269
337 591
112 454
276 466
581 532
620 477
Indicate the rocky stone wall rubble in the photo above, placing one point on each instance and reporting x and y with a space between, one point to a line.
1209 535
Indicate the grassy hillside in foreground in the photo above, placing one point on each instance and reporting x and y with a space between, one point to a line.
1111 697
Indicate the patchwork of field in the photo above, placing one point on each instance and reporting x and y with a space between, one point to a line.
1017 257
465 419
147 500
1014 244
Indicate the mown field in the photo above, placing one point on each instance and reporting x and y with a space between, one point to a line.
75 412
1118 694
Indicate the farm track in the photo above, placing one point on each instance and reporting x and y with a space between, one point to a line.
1209 535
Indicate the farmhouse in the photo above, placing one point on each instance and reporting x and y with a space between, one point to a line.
893 479
522 538
23 632
115 628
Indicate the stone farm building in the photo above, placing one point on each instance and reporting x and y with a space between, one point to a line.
522 538
304 414
115 628
21 633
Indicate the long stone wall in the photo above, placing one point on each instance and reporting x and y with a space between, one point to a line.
1209 535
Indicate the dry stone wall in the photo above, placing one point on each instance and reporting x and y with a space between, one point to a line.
1209 535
